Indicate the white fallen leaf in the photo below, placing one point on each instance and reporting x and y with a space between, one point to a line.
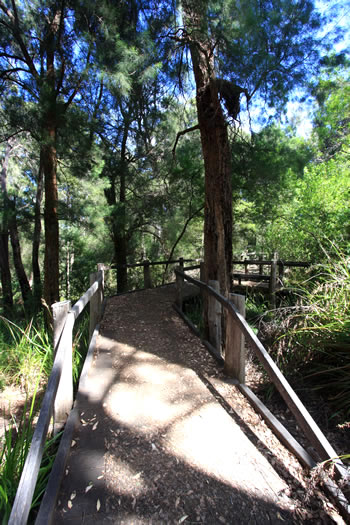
88 487
98 505
154 447
177 502
137 475
70 504
100 477
73 495
181 520
73 443
95 426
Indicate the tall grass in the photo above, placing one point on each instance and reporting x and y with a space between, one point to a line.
26 359
313 337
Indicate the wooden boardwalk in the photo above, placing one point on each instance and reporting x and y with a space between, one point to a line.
154 445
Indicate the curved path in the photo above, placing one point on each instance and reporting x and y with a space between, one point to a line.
155 445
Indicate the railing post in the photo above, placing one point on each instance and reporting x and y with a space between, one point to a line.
273 282
64 397
59 315
235 352
95 302
147 281
261 266
179 288
280 271
181 263
214 317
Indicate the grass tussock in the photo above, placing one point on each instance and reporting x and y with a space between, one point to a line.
313 337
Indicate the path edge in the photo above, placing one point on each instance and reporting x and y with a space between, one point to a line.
48 504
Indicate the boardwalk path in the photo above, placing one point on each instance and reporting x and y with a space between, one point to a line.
155 445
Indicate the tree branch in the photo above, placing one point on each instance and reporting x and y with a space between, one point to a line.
180 133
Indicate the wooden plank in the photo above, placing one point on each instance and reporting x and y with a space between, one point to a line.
235 352
83 301
281 432
214 318
251 276
179 290
304 419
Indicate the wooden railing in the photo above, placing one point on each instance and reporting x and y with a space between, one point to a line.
237 328
275 277
58 398
146 265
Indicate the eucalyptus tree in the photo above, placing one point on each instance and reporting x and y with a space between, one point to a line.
250 49
40 56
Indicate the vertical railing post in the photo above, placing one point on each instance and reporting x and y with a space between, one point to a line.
147 281
95 302
214 317
273 282
59 315
64 396
181 263
280 272
261 266
179 288
235 353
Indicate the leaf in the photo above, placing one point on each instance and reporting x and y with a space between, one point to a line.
181 520
73 443
95 426
88 488
70 504
98 505
73 495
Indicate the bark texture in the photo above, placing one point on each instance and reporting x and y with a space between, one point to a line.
215 148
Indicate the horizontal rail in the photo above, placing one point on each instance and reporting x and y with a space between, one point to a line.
306 422
250 276
26 486
256 262
149 263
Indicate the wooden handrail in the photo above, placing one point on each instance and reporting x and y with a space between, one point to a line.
26 487
257 262
306 422
149 263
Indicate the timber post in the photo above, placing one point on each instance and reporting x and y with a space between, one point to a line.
273 282
95 302
179 288
214 317
261 266
181 264
147 281
59 316
235 353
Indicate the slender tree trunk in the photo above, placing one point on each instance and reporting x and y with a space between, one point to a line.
6 283
37 288
215 148
51 282
5 272
17 257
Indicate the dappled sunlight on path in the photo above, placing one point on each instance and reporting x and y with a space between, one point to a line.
154 445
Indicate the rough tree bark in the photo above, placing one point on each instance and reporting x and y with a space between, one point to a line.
215 148
6 283
37 288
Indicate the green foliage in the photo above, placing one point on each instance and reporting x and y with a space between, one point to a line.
313 337
25 355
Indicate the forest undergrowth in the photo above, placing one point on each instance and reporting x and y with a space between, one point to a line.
26 358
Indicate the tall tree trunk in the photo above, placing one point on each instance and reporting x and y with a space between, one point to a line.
5 271
37 288
215 148
49 159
